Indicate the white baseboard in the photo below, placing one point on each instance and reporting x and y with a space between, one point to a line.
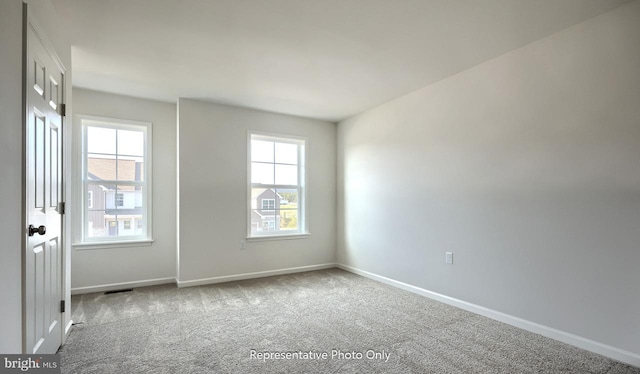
565 337
118 286
259 274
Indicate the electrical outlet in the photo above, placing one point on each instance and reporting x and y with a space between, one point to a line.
449 257
243 244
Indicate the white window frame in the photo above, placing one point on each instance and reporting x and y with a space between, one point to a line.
82 241
303 221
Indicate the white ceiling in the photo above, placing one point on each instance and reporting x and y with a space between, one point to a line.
327 59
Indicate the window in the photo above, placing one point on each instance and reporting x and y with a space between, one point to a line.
116 180
119 199
276 185
268 204
269 225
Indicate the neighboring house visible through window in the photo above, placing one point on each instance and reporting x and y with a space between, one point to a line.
277 185
116 177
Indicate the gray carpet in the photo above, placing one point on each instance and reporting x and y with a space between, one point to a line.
212 329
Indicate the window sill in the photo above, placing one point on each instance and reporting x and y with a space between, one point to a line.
118 244
277 237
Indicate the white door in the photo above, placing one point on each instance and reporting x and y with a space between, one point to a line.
43 320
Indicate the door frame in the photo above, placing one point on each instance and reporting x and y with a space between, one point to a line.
29 21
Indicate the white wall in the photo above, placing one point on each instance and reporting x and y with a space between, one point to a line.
99 267
527 167
213 192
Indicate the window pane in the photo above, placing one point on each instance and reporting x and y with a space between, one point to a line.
130 169
286 153
130 143
104 224
106 199
129 198
264 204
261 173
126 226
116 208
111 224
101 167
110 197
263 199
101 140
288 198
129 201
267 224
288 219
97 224
286 174
261 151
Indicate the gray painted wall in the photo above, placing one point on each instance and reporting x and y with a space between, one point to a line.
213 192
527 167
97 267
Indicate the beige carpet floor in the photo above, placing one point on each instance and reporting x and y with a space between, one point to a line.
229 327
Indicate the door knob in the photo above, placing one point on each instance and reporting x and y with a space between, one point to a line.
37 230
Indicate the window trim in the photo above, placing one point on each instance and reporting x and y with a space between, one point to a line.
303 197
80 224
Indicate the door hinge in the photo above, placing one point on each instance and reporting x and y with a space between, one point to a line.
62 207
63 110
61 306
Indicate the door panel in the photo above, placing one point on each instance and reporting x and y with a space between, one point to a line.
43 257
